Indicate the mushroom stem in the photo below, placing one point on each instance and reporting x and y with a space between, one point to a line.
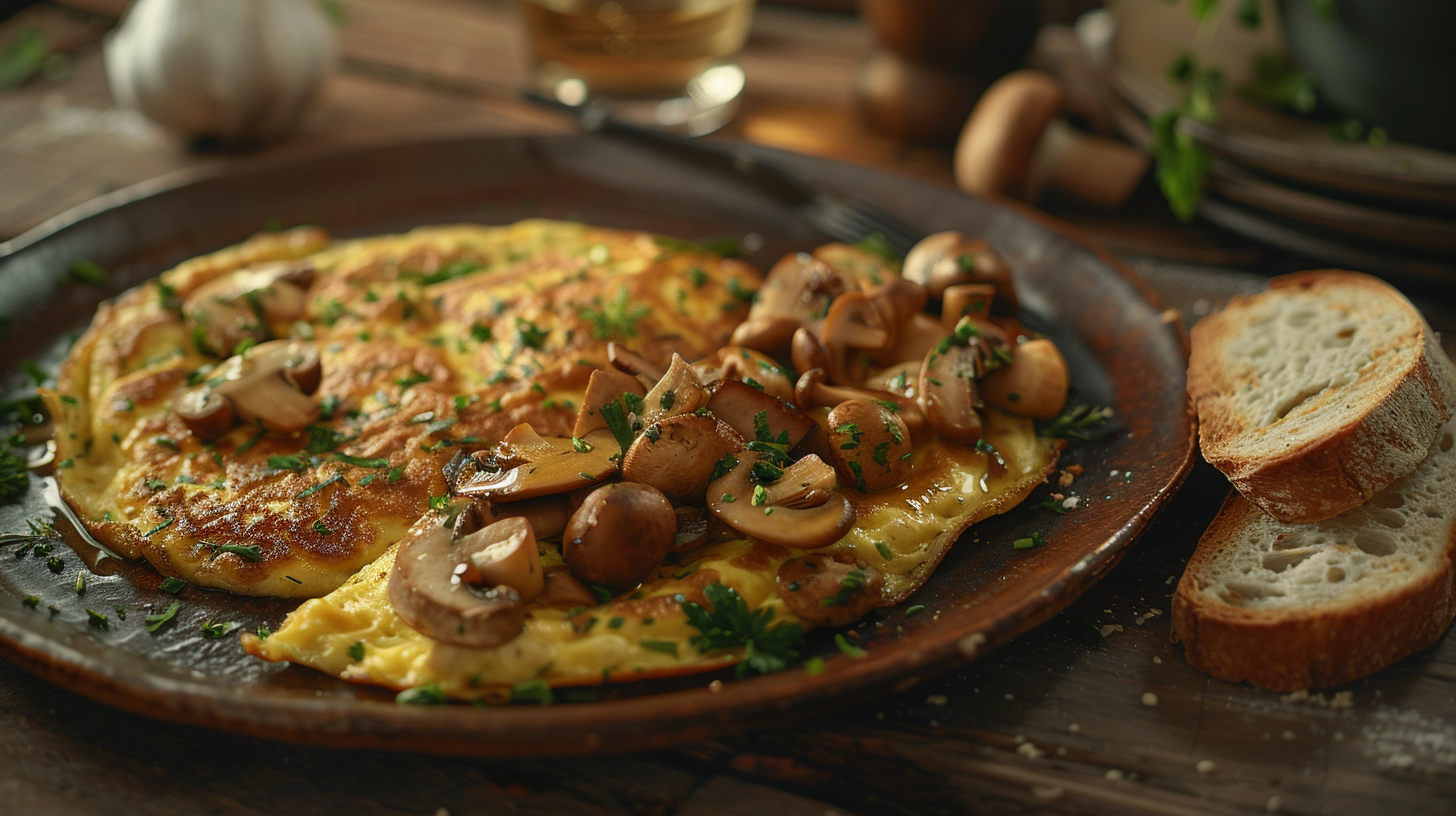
813 391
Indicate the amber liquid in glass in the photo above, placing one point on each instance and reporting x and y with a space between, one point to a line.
639 49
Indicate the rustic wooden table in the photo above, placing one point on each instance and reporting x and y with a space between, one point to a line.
1056 722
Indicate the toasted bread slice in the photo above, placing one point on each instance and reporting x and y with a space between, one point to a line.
1317 393
1298 606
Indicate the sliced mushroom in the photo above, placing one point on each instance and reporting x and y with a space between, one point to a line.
1034 384
630 362
948 393
917 336
266 385
732 499
826 591
740 405
797 292
856 330
619 535
899 299
856 264
966 300
806 483
547 515
566 465
948 258
807 352
206 414
749 366
427 591
813 391
565 589
679 391
693 526
901 379
246 305
870 444
677 455
603 387
503 554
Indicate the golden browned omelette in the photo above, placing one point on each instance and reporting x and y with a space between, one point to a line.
701 512
270 418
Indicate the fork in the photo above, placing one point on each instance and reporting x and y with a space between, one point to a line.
841 217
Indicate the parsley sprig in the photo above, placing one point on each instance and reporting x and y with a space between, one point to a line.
730 625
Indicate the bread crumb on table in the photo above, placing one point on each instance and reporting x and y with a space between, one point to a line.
1113 775
1150 699
1205 766
1030 751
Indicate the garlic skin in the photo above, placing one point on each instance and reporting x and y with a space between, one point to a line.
242 71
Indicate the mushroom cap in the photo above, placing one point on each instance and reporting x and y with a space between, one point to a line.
997 145
730 499
504 554
619 535
1034 384
427 591
869 444
678 455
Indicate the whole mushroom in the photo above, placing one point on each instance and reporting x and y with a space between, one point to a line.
619 535
870 444
1016 144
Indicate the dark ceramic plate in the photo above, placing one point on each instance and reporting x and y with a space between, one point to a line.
1125 349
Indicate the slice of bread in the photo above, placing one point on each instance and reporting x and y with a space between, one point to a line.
1317 393
1303 606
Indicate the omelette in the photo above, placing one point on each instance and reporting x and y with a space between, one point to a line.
548 453
428 342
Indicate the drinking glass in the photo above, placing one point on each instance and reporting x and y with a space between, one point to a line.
660 63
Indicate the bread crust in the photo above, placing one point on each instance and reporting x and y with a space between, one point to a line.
1385 439
1314 647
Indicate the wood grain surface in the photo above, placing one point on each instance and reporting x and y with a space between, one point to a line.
1094 712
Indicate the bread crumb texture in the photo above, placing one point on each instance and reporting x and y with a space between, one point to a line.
1359 555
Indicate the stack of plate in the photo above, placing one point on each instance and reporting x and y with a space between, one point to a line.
1285 180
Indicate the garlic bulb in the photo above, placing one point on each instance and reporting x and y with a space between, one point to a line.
236 70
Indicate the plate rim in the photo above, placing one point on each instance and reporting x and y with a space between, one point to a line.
737 707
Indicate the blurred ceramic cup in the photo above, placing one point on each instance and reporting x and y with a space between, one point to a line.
661 63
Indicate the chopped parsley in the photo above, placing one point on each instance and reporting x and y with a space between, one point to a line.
665 646
848 648
1075 422
289 462
535 691
426 694
173 585
247 552
530 335
617 318
852 582
356 650
212 630
97 620
155 622
1034 540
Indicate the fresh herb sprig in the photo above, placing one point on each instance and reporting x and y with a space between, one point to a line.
730 625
